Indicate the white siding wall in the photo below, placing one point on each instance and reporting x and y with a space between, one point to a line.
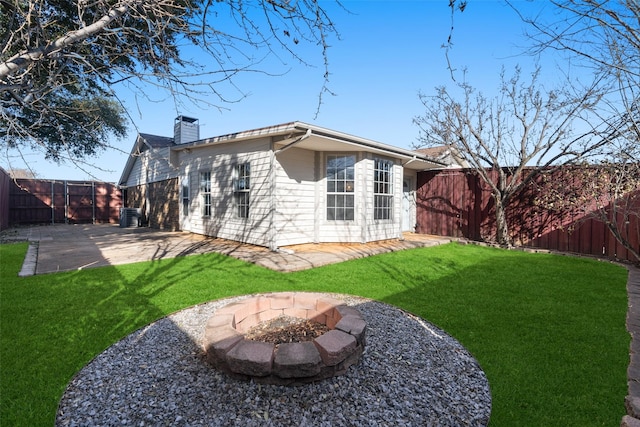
297 190
295 197
220 161
151 166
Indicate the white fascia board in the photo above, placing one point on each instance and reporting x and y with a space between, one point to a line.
131 160
293 130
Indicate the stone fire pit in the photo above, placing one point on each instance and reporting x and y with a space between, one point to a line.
291 363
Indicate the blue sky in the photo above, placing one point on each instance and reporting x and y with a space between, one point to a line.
388 52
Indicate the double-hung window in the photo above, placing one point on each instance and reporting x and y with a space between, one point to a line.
185 196
205 192
241 188
383 189
340 187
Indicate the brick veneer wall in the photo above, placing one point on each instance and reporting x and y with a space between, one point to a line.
163 211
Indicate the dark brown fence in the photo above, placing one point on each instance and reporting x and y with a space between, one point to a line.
5 184
34 201
457 203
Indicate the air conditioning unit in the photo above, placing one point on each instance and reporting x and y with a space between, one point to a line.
130 217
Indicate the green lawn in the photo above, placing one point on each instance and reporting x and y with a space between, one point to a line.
549 331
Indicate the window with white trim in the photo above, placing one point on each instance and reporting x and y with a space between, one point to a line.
340 187
205 192
241 189
383 189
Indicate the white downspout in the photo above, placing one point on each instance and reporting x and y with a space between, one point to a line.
273 235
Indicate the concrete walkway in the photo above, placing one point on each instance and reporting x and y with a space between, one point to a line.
74 247
632 419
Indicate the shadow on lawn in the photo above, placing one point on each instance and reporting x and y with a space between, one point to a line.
54 324
160 287
539 346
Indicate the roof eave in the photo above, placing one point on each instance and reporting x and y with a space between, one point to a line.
292 130
401 153
283 129
131 160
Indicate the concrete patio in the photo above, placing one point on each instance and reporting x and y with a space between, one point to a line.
64 247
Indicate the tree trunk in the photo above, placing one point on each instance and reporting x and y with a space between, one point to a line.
625 242
502 228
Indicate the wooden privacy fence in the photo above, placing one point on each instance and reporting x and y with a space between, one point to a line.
5 184
457 203
35 201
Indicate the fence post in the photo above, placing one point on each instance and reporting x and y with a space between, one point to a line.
66 203
53 204
93 202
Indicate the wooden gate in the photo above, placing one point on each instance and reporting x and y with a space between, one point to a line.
35 201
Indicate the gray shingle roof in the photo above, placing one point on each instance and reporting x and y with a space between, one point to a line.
156 141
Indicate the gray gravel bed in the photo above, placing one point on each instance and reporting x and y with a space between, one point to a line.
411 374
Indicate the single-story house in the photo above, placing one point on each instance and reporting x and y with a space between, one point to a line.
276 186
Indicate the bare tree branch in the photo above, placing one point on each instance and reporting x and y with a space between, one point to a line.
63 61
519 126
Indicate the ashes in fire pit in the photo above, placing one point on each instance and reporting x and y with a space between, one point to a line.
285 338
286 329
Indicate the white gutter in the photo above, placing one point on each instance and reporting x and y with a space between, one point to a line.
239 136
362 142
297 141
387 150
